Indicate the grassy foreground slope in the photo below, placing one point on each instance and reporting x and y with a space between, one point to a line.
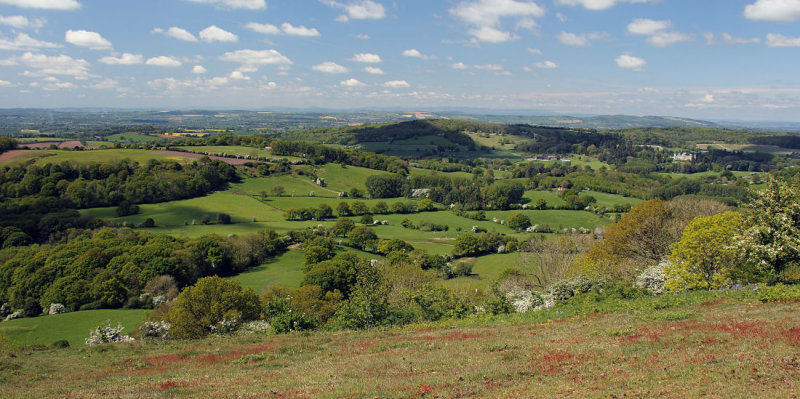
690 345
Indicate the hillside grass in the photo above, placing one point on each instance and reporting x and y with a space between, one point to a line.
103 155
230 150
73 327
283 270
686 345
133 138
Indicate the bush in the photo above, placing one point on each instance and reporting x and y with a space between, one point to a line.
652 279
212 305
224 218
779 293
148 223
565 289
60 344
107 334
155 330
32 309
518 221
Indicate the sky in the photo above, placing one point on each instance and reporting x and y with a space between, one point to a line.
706 59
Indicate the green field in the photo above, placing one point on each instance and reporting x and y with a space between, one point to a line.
104 155
133 138
73 327
292 184
283 270
557 218
229 150
485 271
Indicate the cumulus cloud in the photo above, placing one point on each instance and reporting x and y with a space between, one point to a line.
267 29
582 40
25 42
241 4
20 22
396 84
216 34
256 57
546 65
291 30
486 15
599 4
329 67
164 61
460 65
414 53
362 36
657 33
352 82
487 34
374 70
45 65
83 38
644 26
5 83
44 4
778 40
124 59
366 57
199 70
628 61
535 51
773 10
364 9
177 33
489 67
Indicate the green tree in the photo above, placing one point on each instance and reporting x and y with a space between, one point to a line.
200 308
342 227
368 304
358 208
342 209
705 255
362 237
426 205
380 208
278 190
518 221
385 186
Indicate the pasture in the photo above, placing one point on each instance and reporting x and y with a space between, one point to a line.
73 326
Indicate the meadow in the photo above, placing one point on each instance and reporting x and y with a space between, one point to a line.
73 326
686 345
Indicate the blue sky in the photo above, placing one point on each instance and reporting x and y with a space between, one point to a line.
714 59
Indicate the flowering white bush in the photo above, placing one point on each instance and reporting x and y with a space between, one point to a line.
57 308
155 330
255 327
523 300
227 325
107 334
653 278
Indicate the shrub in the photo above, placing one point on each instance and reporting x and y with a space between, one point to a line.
518 221
155 330
148 223
32 309
652 279
566 289
224 218
56 308
779 293
107 334
211 305
60 344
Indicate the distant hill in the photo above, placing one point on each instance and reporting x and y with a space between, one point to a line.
590 122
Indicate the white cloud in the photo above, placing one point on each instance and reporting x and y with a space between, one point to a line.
124 59
773 10
177 33
256 57
727 38
414 53
778 40
164 61
267 29
628 61
25 42
644 26
44 4
362 36
5 83
199 70
374 70
489 67
289 29
329 67
487 34
535 51
396 84
216 34
238 75
664 39
572 39
83 38
352 82
489 12
243 4
598 4
366 57
546 65
363 9
20 22
460 65
46 65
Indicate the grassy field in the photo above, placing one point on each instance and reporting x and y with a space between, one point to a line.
557 218
230 150
105 155
690 345
133 138
485 270
73 327
706 174
284 271
292 184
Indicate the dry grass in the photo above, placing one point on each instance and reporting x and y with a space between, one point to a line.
718 348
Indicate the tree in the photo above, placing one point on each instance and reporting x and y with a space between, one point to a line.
200 308
362 237
223 218
387 246
342 227
149 222
705 255
342 209
368 304
518 221
358 208
385 186
502 195
278 190
770 242
426 205
380 208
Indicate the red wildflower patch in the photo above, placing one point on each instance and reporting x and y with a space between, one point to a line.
718 301
743 329
792 335
554 361
424 389
170 384
459 336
